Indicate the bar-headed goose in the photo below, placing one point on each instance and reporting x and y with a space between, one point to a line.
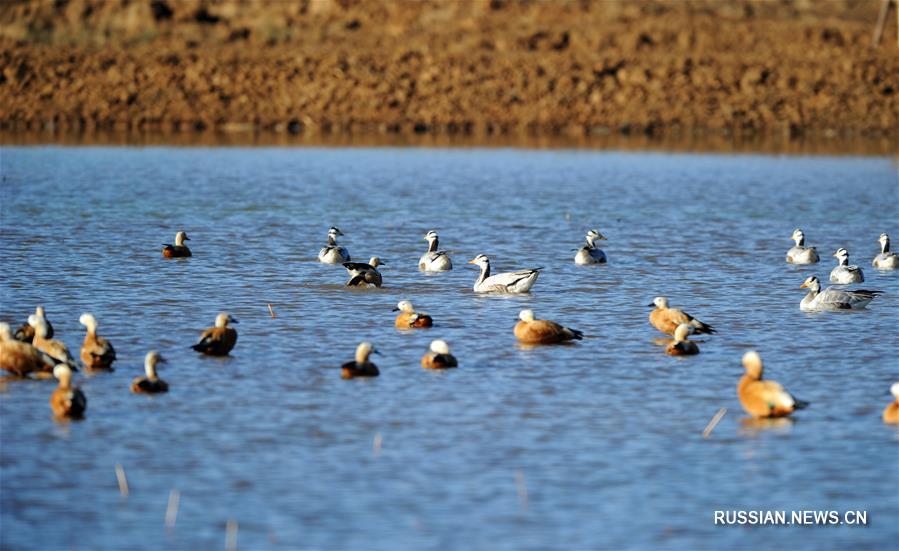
831 299
179 249
150 383
25 333
799 253
434 260
680 346
530 330
361 366
362 274
509 282
590 253
409 318
67 401
885 260
764 398
218 340
332 253
438 356
843 273
22 358
96 351
667 319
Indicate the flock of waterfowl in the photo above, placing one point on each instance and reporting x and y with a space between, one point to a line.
32 350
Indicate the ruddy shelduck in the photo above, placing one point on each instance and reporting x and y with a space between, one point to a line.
67 401
533 331
218 340
409 318
150 383
362 274
891 413
361 366
96 351
22 358
667 319
438 357
762 398
54 348
179 249
25 333
680 346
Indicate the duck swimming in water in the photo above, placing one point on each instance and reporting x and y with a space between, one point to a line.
409 318
361 366
589 253
179 249
680 346
843 273
150 383
25 333
764 398
96 351
434 260
218 340
533 331
362 274
891 413
54 348
885 260
799 253
21 358
667 319
332 253
831 299
439 357
67 401
510 282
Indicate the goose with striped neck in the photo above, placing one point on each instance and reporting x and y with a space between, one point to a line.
332 253
885 260
590 253
799 253
434 260
845 274
831 299
509 282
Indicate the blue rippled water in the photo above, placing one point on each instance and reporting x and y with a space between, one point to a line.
594 445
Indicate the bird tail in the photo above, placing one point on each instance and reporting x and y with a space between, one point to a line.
705 328
799 404
575 334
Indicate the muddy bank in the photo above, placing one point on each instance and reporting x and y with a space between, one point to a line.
480 68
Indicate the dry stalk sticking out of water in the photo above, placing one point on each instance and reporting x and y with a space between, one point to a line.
714 422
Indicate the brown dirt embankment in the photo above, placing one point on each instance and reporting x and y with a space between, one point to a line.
479 67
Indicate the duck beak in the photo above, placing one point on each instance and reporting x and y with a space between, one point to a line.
472 261
161 360
601 237
186 238
804 285
376 351
232 320
395 310
651 305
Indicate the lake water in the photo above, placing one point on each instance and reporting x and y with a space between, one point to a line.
594 445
